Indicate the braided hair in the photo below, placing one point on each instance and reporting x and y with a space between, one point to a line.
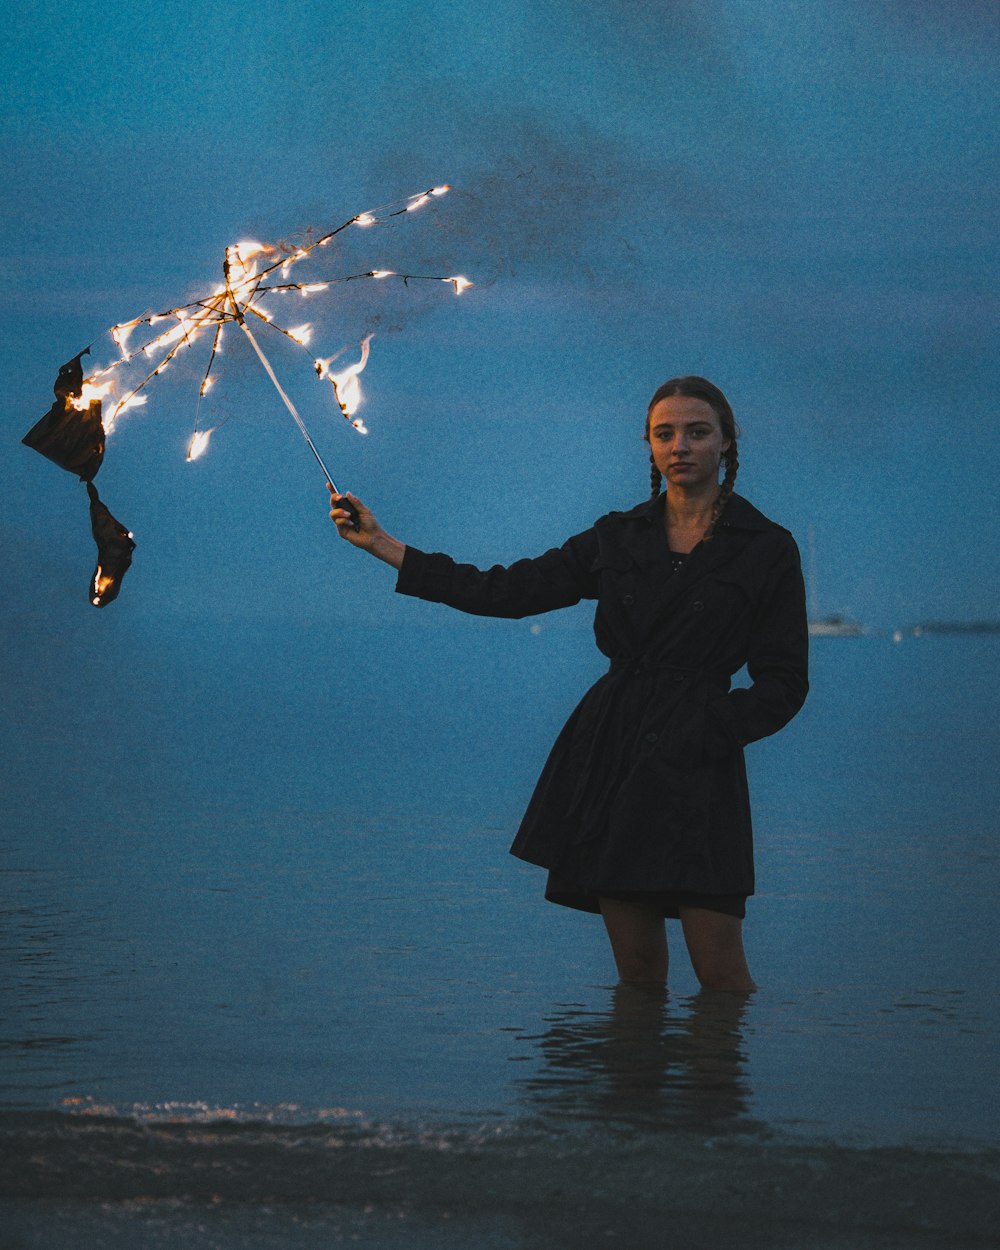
709 393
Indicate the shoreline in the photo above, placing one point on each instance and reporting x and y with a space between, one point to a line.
535 1183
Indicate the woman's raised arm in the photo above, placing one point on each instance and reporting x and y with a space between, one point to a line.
557 579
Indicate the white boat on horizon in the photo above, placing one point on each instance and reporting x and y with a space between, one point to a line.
830 626
834 627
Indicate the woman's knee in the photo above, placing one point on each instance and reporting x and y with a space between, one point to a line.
715 944
638 940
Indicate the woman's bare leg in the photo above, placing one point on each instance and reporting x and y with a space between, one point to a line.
638 940
715 944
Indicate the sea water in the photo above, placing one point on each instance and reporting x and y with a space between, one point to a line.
271 977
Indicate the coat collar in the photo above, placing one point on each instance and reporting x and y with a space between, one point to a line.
640 532
740 514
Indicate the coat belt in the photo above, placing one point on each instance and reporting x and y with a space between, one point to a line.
641 665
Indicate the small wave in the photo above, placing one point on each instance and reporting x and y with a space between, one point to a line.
286 1154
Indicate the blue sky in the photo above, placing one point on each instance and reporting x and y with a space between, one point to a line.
797 199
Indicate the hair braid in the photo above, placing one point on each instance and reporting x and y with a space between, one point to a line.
732 461
655 478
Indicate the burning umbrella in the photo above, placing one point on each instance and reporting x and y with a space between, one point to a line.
73 436
87 408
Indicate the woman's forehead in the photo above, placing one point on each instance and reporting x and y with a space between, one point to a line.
682 408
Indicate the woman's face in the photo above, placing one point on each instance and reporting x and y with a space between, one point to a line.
686 440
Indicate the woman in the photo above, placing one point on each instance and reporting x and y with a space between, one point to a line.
642 810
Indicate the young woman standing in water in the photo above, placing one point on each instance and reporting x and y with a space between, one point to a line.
642 810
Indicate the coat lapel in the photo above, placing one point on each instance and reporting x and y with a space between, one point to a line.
732 535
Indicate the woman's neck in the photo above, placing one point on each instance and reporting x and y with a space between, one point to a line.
688 518
686 510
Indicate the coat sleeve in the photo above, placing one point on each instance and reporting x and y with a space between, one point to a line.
557 579
777 660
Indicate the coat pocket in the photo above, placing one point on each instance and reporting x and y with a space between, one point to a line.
727 596
693 735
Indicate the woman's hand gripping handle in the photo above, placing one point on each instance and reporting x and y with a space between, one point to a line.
357 524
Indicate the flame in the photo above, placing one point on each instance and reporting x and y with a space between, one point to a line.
440 190
130 401
185 328
123 405
101 584
418 201
460 284
309 287
348 388
206 386
248 248
364 219
295 256
122 333
301 334
90 394
383 273
198 444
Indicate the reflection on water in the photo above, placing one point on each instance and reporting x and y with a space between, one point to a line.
283 927
648 1061
45 983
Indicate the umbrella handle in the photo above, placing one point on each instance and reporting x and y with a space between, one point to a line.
341 501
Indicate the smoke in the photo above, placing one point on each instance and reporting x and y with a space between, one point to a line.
534 203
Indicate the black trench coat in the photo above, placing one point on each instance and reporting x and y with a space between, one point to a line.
645 787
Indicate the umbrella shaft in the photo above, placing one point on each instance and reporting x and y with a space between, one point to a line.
288 403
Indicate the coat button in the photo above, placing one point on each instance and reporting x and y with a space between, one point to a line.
628 600
697 605
651 738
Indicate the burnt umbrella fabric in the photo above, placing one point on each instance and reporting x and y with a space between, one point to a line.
73 438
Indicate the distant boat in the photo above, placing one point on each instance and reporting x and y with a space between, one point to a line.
956 627
830 626
834 627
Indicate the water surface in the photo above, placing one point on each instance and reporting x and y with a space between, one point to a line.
261 899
